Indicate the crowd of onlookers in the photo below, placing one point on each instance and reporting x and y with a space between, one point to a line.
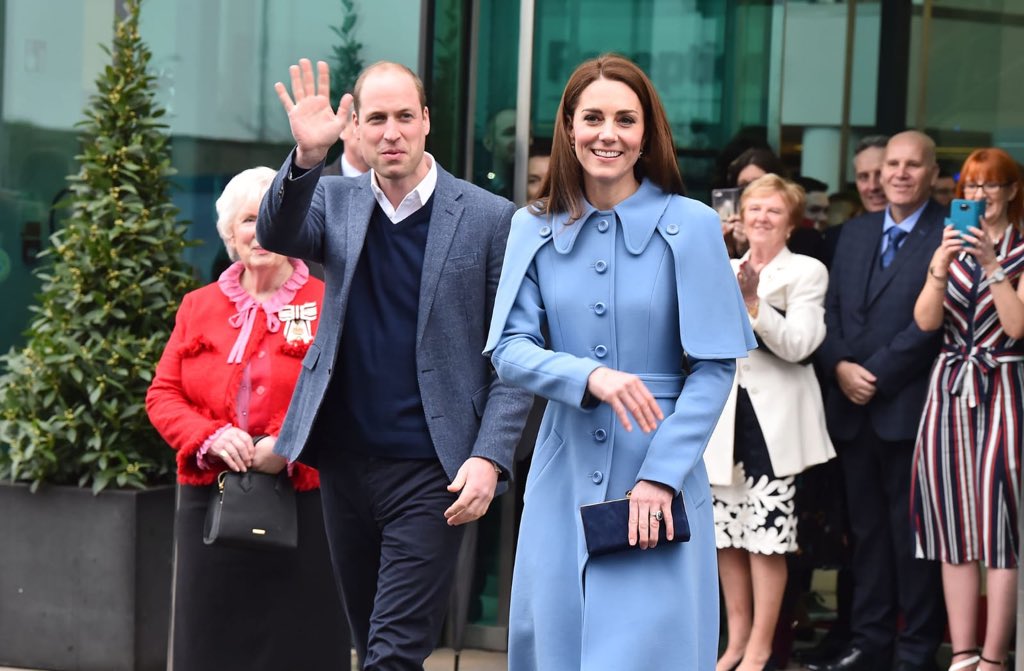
911 322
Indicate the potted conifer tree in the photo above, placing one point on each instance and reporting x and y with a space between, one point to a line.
86 492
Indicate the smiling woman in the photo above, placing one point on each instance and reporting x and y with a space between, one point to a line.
218 398
587 315
764 440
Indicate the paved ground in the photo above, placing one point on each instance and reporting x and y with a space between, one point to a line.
442 660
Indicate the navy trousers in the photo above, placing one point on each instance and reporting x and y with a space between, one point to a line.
393 553
888 580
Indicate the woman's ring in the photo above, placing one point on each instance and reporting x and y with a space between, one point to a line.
224 455
657 515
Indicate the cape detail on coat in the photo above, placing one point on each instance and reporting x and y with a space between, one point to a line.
713 324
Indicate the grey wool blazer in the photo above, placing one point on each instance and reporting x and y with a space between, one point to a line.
469 412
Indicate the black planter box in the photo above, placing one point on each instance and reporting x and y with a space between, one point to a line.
85 581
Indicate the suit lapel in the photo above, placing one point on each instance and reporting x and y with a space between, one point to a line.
914 245
360 210
444 220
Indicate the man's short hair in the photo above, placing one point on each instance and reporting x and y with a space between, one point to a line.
877 141
387 65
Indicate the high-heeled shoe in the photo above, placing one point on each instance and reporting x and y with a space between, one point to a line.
1000 663
968 663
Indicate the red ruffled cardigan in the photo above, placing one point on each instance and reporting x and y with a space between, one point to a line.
195 390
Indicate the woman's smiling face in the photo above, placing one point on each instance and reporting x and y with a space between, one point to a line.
608 133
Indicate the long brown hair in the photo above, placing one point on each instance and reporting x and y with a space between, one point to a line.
562 190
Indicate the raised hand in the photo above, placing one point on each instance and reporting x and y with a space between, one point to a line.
951 245
315 126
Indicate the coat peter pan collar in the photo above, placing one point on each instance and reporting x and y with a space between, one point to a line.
638 215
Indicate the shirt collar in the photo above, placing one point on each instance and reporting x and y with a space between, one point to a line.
347 169
907 224
413 201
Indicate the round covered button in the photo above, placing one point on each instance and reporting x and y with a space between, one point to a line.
597 477
602 226
545 231
600 435
601 266
672 229
600 308
600 351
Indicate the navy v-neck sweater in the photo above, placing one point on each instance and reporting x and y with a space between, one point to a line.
376 388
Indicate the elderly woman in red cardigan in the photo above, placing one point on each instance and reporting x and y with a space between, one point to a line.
219 397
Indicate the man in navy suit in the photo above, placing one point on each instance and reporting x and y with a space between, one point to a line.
877 361
406 421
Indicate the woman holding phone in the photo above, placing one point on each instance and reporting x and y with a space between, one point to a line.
965 496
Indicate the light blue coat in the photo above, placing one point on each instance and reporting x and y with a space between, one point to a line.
636 289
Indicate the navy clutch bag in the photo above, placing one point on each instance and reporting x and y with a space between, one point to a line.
605 526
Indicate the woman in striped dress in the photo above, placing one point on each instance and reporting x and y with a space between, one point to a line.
966 478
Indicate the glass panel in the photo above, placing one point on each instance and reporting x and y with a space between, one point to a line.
973 103
48 70
494 113
709 61
216 62
493 164
447 85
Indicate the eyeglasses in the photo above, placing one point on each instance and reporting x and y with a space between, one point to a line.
990 188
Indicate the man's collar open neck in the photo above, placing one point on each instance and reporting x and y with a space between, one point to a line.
898 213
396 190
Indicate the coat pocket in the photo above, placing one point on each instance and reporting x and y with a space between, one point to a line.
480 400
543 457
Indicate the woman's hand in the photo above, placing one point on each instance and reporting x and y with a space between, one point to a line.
233 447
982 247
645 501
627 395
951 245
264 460
748 279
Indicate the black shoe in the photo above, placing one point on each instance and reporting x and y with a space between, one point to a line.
827 649
850 659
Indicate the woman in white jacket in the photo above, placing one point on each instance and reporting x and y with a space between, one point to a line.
773 425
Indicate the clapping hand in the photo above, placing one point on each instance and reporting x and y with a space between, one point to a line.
315 126
748 279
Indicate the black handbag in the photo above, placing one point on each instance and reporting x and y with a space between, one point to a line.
606 526
252 510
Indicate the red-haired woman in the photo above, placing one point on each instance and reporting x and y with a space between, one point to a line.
966 479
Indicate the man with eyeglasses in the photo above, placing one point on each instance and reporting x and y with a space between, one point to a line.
877 361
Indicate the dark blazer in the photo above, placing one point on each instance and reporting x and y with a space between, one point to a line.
869 319
469 411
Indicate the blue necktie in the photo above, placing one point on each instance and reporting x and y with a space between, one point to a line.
894 237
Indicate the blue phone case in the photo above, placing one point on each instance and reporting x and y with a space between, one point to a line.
966 213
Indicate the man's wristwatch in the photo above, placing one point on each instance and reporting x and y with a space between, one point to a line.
998 275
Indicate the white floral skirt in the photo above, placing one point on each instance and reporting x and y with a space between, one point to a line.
756 512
